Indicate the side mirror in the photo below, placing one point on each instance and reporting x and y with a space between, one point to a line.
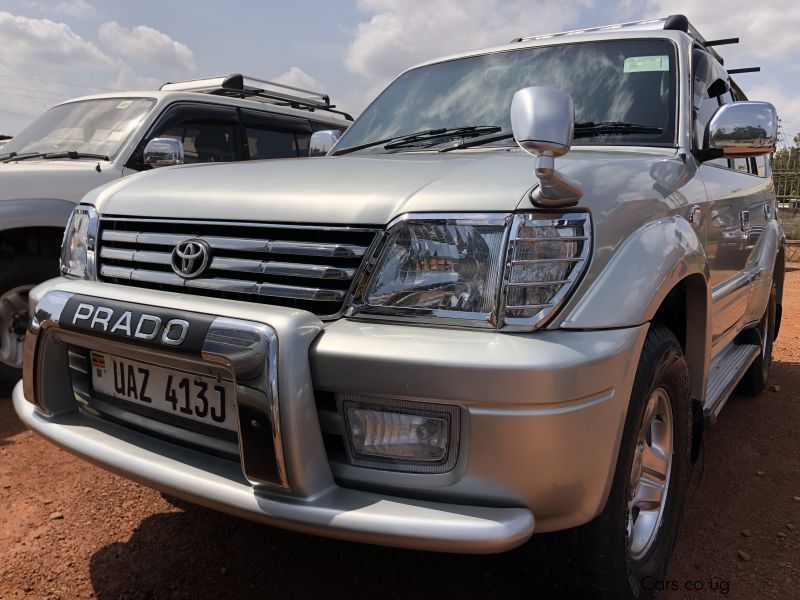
322 141
543 119
163 152
742 129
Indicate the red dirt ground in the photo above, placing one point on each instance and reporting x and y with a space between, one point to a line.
71 530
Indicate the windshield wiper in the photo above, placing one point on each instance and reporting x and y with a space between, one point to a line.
479 140
71 154
398 141
471 130
589 128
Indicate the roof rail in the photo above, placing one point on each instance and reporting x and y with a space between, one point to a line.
670 23
260 90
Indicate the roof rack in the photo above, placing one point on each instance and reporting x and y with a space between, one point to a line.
243 86
672 22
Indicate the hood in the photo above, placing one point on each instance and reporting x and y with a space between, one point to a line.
52 179
363 190
367 190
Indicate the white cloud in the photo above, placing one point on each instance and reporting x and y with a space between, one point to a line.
80 9
143 46
46 46
768 38
767 30
39 53
296 77
401 33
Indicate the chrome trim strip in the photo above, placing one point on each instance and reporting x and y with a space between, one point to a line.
318 249
545 310
251 349
286 269
240 286
250 224
528 284
43 316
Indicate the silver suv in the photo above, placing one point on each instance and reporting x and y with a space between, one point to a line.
428 338
86 142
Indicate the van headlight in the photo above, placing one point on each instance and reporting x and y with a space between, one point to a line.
78 246
492 270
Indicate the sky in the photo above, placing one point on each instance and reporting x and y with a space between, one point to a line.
52 50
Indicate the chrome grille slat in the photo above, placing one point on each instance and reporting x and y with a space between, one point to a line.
287 269
313 267
325 250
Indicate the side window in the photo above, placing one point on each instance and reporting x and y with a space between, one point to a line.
273 135
208 133
204 141
269 142
706 95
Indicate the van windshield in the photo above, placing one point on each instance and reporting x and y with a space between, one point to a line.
613 83
86 127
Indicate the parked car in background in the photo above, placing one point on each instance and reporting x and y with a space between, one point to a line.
83 143
428 338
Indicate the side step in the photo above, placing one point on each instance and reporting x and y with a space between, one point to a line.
727 369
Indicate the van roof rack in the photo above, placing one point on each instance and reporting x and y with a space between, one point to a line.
261 90
670 23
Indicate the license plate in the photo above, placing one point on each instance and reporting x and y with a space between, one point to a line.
180 393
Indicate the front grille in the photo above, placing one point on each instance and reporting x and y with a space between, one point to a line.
312 268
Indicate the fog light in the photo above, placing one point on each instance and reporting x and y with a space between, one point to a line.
399 435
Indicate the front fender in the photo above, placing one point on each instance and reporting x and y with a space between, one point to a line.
634 283
34 212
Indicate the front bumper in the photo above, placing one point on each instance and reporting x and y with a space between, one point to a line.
536 438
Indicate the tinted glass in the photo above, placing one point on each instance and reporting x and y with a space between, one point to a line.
204 142
266 143
90 126
620 80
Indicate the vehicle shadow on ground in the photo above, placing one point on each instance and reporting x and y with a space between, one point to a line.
10 425
199 553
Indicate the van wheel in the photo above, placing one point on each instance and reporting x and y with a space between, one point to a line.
755 379
625 551
18 276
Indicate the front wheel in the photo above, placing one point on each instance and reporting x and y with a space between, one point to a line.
624 552
18 276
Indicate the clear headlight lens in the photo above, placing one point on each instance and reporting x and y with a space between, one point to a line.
440 266
77 248
505 271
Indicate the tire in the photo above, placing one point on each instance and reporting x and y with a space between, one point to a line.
18 274
609 560
755 379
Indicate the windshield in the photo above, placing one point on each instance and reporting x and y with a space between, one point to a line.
90 126
615 81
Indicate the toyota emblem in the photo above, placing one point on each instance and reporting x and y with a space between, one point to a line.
190 258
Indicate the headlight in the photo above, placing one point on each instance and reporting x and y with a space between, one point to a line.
77 249
546 256
439 266
503 271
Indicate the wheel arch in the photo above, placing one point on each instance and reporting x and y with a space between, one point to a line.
33 225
